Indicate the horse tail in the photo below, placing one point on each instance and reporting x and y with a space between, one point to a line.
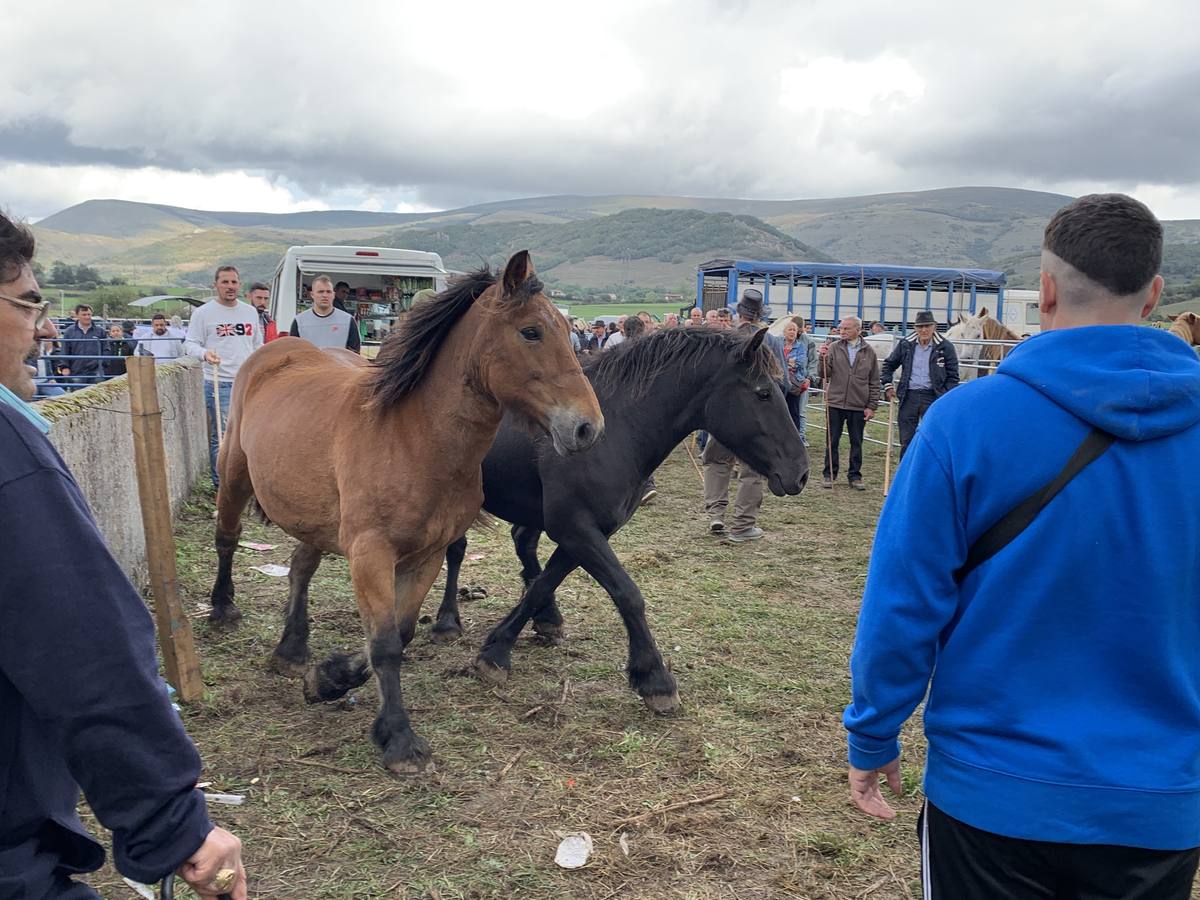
259 512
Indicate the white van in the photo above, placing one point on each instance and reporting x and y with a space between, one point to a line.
382 282
1021 312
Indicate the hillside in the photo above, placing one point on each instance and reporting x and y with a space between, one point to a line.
593 242
599 251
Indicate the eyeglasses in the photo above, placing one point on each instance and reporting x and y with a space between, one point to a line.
43 309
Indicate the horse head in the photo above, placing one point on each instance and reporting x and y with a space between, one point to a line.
747 413
1187 326
523 356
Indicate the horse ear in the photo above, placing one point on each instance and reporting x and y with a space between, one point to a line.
982 313
753 344
519 268
1173 318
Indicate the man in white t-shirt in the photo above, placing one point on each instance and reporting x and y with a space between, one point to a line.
223 333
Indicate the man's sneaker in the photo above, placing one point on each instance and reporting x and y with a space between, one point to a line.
753 533
827 483
858 485
716 526
648 496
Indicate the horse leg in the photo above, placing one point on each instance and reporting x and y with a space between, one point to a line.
233 495
291 655
449 624
647 673
389 630
495 657
548 621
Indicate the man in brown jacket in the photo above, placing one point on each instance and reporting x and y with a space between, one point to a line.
850 373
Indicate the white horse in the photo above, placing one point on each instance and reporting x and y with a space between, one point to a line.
967 328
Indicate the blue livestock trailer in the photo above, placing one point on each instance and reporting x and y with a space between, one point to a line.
824 293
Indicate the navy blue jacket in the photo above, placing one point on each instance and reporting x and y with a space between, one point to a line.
81 703
77 342
943 365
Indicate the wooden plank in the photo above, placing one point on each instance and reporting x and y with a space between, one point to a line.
150 460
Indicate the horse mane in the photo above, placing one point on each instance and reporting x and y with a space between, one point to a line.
407 354
633 365
995 330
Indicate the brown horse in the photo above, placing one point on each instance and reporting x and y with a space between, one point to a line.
1186 326
380 462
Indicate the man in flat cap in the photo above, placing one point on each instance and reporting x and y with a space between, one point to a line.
928 365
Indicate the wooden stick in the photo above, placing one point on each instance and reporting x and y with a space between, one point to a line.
887 455
508 768
150 462
687 445
670 807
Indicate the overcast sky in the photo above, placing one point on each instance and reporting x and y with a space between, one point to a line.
281 106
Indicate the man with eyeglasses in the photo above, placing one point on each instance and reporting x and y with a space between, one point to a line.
81 703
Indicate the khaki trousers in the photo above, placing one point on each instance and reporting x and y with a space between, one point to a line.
718 472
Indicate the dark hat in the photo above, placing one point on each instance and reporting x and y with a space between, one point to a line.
924 317
751 304
599 322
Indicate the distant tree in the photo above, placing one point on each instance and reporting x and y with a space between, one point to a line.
61 273
87 273
39 271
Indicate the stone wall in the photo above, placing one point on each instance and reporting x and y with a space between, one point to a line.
92 429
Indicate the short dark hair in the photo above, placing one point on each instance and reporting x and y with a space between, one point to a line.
257 286
16 248
724 313
233 269
157 316
1112 239
80 307
344 284
633 327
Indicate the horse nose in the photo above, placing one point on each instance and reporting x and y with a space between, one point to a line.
585 435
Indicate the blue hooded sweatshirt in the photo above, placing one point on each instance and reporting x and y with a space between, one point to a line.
1065 696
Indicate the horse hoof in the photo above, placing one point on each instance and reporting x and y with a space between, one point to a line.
662 704
289 667
226 614
549 633
319 688
445 635
490 672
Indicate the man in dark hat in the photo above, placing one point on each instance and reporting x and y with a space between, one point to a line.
929 368
595 340
719 462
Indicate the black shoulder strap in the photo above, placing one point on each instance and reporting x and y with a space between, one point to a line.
1019 517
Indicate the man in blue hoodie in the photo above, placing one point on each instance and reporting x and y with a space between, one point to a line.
81 703
1063 675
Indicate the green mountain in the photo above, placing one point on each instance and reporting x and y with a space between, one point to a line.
601 241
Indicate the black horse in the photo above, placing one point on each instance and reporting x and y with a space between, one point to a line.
654 392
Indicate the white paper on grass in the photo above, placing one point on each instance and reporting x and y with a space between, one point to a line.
574 850
272 569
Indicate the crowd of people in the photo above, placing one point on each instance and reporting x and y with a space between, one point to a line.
1062 711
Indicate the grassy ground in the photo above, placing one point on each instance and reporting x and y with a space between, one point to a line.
758 636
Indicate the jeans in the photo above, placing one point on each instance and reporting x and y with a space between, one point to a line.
797 405
226 388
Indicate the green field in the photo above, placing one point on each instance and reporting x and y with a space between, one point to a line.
589 311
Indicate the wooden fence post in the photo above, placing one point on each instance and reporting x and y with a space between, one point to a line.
150 460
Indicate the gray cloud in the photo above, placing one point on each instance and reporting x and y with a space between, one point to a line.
756 99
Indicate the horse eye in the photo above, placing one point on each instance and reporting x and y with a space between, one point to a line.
763 393
531 334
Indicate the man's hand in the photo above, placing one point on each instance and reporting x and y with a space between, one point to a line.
868 414
824 351
865 792
889 393
212 357
220 850
804 385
